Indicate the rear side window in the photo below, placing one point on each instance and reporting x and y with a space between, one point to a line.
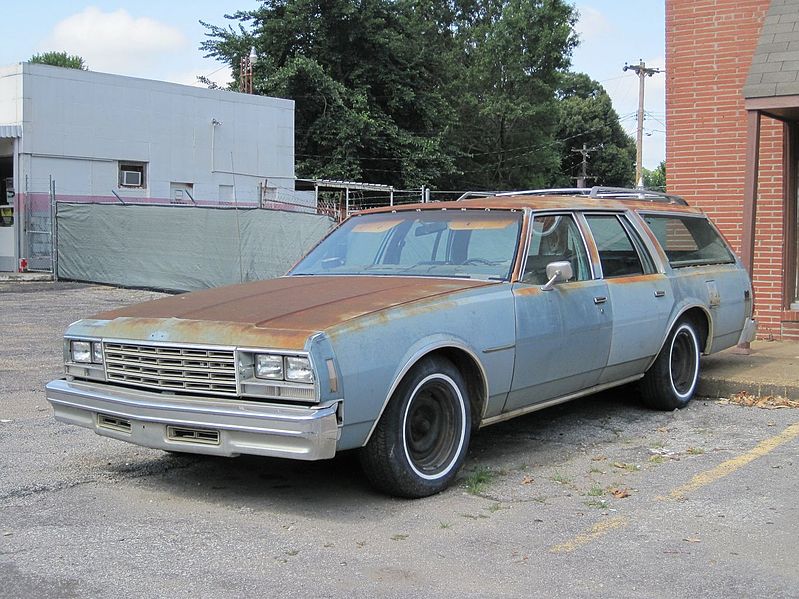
689 240
617 253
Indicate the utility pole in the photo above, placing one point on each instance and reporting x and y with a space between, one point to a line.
642 71
585 151
245 72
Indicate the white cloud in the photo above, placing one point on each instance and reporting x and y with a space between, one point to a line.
116 42
592 24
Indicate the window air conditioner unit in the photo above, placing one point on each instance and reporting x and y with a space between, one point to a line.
131 178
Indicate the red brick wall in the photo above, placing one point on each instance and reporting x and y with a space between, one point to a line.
709 47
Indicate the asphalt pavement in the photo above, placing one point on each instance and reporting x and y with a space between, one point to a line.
596 497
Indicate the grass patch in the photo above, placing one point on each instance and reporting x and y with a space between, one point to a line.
694 451
560 478
656 459
596 491
478 481
597 503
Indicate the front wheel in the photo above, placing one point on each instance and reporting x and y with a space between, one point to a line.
421 440
671 381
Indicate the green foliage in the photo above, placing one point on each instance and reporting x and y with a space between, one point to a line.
455 94
508 56
655 179
587 117
60 59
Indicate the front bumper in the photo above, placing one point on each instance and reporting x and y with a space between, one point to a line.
225 428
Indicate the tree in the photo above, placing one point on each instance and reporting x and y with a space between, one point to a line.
368 101
586 116
60 59
510 54
655 179
459 93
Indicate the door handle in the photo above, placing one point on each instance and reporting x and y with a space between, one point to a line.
600 299
660 293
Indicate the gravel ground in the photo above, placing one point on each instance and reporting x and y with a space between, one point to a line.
595 497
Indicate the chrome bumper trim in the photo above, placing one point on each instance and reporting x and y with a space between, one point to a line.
302 433
749 331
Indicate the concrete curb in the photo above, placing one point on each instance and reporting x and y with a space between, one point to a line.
717 388
25 277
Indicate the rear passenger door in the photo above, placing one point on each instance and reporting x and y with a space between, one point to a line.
640 297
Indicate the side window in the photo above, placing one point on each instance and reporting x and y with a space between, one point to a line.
617 253
689 240
555 238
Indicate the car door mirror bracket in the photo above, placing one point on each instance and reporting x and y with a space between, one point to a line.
557 272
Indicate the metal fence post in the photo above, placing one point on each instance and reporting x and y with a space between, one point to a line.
53 230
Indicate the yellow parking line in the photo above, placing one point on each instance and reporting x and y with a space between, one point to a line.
597 530
698 481
730 466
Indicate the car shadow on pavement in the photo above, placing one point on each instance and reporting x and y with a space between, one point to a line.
338 486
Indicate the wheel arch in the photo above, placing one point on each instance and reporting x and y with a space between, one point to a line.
702 319
467 363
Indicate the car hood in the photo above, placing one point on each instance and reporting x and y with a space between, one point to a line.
277 313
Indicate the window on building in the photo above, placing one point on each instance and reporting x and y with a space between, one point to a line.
132 174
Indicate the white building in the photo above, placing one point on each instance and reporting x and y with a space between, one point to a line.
95 137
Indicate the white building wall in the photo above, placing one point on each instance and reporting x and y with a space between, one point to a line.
11 95
78 125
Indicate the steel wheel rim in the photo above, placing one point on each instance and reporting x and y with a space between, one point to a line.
683 362
433 427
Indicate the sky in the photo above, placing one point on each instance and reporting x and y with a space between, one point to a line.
160 40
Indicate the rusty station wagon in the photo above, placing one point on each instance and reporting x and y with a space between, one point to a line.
408 328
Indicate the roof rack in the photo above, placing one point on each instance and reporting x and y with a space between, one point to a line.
599 192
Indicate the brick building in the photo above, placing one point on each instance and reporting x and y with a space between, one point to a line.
732 109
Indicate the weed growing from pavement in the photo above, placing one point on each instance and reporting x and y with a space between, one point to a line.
596 491
657 459
694 451
444 525
559 478
399 537
597 503
478 481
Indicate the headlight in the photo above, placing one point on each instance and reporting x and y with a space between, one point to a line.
97 352
81 351
298 369
85 351
268 366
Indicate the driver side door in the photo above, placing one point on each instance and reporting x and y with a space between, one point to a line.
562 334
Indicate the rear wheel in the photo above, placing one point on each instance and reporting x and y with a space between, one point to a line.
671 381
421 440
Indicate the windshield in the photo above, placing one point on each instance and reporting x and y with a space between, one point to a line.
428 243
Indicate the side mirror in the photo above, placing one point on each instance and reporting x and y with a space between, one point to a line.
557 272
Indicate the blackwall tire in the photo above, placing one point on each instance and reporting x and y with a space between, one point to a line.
421 440
671 381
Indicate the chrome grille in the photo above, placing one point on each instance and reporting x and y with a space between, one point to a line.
172 368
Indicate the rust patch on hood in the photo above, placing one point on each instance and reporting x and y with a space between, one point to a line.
278 313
